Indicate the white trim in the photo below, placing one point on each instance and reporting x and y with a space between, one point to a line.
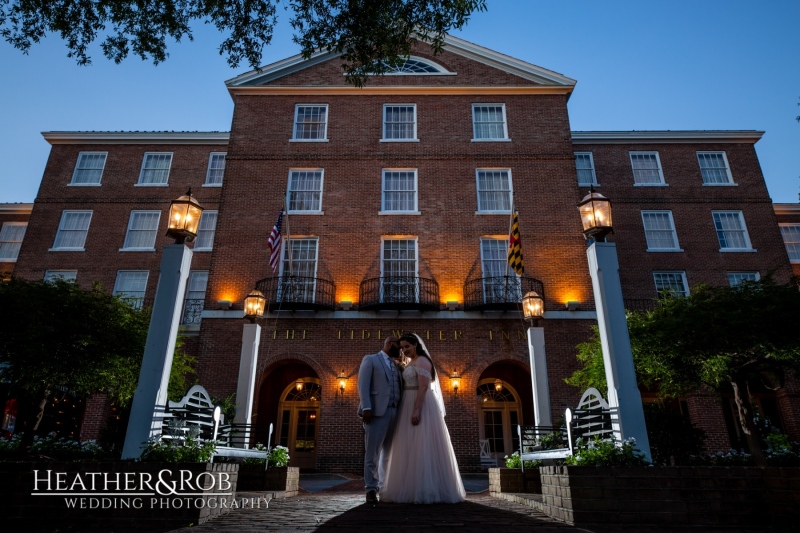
9 224
141 171
631 153
504 138
748 243
415 210
383 123
75 248
666 137
16 209
394 90
478 192
207 248
324 137
208 169
296 238
594 171
677 247
52 274
101 169
136 137
780 209
289 191
414 238
683 279
730 181
441 71
127 232
734 272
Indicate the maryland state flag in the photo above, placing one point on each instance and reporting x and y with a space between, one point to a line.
515 247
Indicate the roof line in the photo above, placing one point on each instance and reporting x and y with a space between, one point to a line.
666 136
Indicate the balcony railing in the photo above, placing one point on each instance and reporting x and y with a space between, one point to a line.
399 292
192 309
297 293
499 293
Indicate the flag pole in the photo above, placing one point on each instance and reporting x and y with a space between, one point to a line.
510 229
288 235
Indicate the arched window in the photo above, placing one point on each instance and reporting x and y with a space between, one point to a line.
416 65
499 412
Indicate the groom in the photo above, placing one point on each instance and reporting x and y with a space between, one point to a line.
379 385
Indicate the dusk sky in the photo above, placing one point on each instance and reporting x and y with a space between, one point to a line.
678 65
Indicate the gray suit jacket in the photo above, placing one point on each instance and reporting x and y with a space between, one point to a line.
374 384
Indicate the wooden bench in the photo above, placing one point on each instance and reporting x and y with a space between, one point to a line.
591 419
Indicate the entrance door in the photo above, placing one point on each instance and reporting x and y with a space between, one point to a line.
299 417
499 413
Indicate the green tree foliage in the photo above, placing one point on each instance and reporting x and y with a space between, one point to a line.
365 32
728 338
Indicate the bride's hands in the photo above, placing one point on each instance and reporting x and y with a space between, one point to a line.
415 417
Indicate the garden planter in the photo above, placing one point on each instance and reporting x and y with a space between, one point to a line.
513 480
254 478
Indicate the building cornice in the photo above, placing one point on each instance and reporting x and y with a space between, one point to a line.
276 90
786 209
16 209
136 137
666 137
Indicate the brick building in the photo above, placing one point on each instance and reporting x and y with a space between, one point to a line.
399 197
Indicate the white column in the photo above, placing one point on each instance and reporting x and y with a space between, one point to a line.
623 392
251 337
159 349
541 390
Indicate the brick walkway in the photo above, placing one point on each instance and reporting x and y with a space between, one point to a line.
346 511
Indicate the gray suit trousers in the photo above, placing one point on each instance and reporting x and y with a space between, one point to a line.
377 440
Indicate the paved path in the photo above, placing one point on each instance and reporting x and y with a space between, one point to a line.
328 511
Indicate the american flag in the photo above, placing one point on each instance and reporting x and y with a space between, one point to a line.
274 242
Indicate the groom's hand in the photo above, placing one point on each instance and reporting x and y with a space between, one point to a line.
415 417
366 417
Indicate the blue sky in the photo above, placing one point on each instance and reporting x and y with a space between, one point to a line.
683 64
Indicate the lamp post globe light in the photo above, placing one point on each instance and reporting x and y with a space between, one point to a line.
254 305
151 391
533 307
623 393
533 311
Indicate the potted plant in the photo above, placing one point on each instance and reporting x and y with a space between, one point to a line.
272 474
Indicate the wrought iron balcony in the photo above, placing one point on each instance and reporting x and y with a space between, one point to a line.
192 310
499 293
399 292
297 293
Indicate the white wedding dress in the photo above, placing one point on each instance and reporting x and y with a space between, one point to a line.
422 466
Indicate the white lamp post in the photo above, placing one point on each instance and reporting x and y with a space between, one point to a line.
533 310
251 338
623 393
151 392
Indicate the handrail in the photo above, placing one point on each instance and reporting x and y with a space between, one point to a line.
399 292
499 292
298 292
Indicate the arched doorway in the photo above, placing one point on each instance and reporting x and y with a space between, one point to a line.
499 412
298 425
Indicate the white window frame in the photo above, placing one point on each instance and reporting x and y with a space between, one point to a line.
289 192
413 238
85 231
67 275
510 191
324 138
661 183
794 244
16 244
677 247
728 183
440 70
135 302
128 235
140 183
385 139
748 245
750 273
283 268
475 137
683 280
211 157
213 231
384 210
509 272
78 169
577 170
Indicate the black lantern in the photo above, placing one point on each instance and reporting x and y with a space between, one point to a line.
533 307
595 212
184 217
254 305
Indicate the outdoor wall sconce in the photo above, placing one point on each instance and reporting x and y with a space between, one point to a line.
455 381
451 306
498 385
184 217
254 305
224 304
299 385
346 305
595 212
342 382
572 306
533 307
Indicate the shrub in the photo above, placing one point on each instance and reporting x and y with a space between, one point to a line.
598 452
278 457
188 450
732 458
11 449
513 461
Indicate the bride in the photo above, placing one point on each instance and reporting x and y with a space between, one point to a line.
422 466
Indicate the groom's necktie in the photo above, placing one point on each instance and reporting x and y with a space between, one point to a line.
393 400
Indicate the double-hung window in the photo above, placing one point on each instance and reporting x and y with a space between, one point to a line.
195 297
489 122
500 282
204 241
310 122
399 122
731 231
155 169
142 230
791 238
72 230
216 169
659 230
735 278
131 285
494 190
646 168
89 168
399 191
305 190
299 270
714 168
671 284
11 236
67 275
584 164
399 270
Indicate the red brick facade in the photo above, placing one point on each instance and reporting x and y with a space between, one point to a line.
317 346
